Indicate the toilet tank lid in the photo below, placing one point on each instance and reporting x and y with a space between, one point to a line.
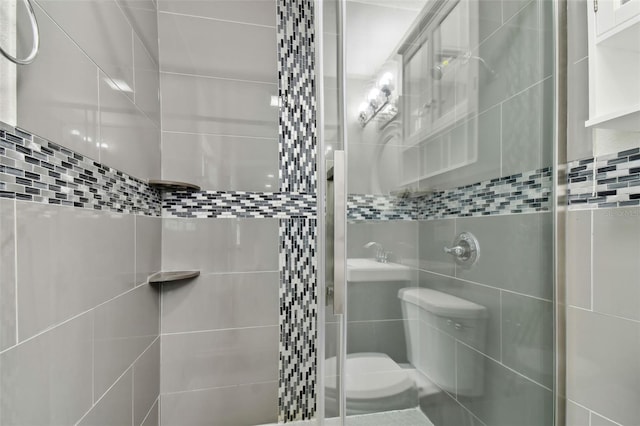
442 304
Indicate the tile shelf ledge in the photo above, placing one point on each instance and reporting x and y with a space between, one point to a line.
169 276
171 185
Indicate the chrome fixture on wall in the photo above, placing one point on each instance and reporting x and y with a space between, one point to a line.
465 249
36 39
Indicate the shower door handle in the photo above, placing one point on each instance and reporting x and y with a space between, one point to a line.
339 232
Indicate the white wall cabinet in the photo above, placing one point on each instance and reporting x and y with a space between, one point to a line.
614 64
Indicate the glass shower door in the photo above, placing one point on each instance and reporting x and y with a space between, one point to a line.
444 110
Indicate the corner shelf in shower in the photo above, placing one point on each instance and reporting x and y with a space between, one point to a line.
170 185
169 276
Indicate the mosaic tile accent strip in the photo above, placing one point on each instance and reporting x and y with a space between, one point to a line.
296 89
297 176
35 169
608 181
520 193
298 319
237 204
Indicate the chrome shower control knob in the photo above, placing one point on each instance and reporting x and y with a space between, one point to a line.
465 249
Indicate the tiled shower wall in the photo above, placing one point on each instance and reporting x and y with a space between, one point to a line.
220 331
603 248
80 332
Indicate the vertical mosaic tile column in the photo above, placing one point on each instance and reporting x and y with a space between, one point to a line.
297 154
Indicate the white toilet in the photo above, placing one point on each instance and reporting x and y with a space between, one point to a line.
433 321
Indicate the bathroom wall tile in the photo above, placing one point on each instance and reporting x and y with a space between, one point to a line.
484 296
386 337
227 405
147 82
219 106
489 17
220 245
444 410
102 31
527 337
521 241
400 237
602 364
579 138
507 398
221 163
53 102
129 141
597 420
115 407
47 380
577 45
148 247
578 254
199 46
513 52
216 301
526 135
67 281
576 415
124 327
511 7
7 274
331 340
153 417
375 169
262 12
485 128
360 337
615 277
146 382
434 236
374 301
143 18
211 359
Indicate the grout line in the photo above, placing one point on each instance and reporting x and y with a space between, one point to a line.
604 314
157 400
133 394
213 77
275 139
166 12
485 285
591 248
99 117
505 366
15 264
54 326
130 367
591 413
133 59
218 329
501 307
221 387
586 58
93 359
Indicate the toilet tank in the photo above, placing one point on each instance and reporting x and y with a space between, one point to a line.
435 323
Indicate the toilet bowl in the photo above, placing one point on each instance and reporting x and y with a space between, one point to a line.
434 321
373 383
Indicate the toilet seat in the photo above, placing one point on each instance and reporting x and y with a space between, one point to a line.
369 377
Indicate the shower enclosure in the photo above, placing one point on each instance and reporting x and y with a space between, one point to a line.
438 135
239 212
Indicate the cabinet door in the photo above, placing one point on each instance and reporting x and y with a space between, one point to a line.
611 13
